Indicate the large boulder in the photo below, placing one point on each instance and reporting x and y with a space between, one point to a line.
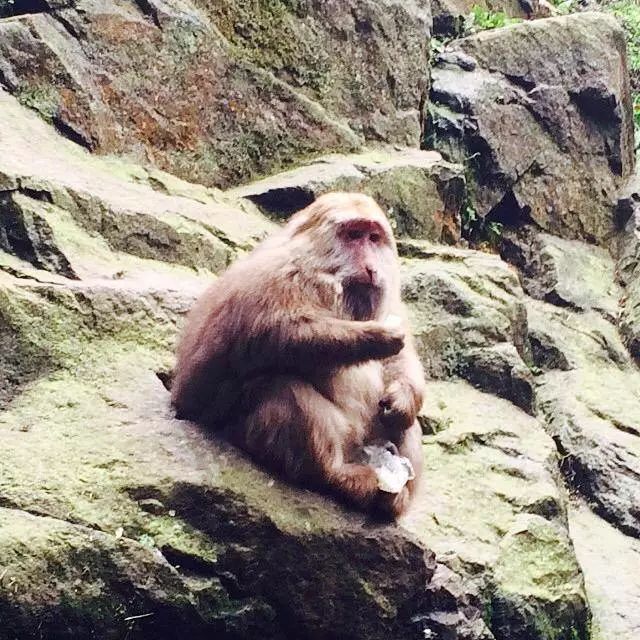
217 92
540 114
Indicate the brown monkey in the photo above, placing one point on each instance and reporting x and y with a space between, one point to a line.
289 350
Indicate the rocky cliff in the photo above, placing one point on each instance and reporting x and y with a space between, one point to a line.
144 145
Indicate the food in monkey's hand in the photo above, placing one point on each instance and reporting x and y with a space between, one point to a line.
392 470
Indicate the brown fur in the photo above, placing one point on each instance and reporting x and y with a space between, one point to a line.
288 350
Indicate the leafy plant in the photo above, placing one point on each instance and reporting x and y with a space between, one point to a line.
628 12
481 19
563 7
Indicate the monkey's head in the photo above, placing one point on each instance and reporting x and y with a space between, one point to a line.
348 236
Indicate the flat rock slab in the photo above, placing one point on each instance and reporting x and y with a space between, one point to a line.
422 193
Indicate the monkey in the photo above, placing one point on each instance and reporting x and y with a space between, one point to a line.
291 354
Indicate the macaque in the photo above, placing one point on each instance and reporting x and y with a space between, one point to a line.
301 352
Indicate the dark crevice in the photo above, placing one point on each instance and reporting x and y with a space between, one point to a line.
520 81
68 131
281 203
22 7
66 25
150 11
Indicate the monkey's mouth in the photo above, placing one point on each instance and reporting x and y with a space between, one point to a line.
362 301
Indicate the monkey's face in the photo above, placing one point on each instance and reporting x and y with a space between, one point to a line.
366 266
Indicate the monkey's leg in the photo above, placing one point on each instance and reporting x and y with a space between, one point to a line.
294 429
410 446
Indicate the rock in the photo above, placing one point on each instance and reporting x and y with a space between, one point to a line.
117 518
449 15
218 94
590 407
422 193
467 312
565 339
609 561
500 370
564 272
67 204
628 265
544 123
588 395
592 415
513 541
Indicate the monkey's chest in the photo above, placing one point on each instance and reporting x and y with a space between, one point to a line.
357 391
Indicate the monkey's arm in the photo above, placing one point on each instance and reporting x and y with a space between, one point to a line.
404 388
305 341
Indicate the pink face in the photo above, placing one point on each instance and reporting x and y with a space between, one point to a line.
366 245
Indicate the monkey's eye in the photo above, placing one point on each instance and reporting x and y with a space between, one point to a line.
355 234
375 238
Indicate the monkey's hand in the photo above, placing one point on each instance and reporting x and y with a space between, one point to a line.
399 405
380 341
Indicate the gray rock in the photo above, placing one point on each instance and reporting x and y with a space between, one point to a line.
564 272
628 265
469 319
513 540
544 124
422 194
219 93
609 561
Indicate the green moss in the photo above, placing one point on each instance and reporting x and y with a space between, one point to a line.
41 98
263 33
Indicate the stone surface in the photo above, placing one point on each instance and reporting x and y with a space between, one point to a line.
449 15
422 193
566 273
628 265
117 519
219 92
467 312
52 188
543 122
495 512
609 560
589 398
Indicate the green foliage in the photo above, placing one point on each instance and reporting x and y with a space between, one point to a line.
563 7
481 19
628 12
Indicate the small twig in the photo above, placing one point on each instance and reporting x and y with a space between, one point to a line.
143 615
